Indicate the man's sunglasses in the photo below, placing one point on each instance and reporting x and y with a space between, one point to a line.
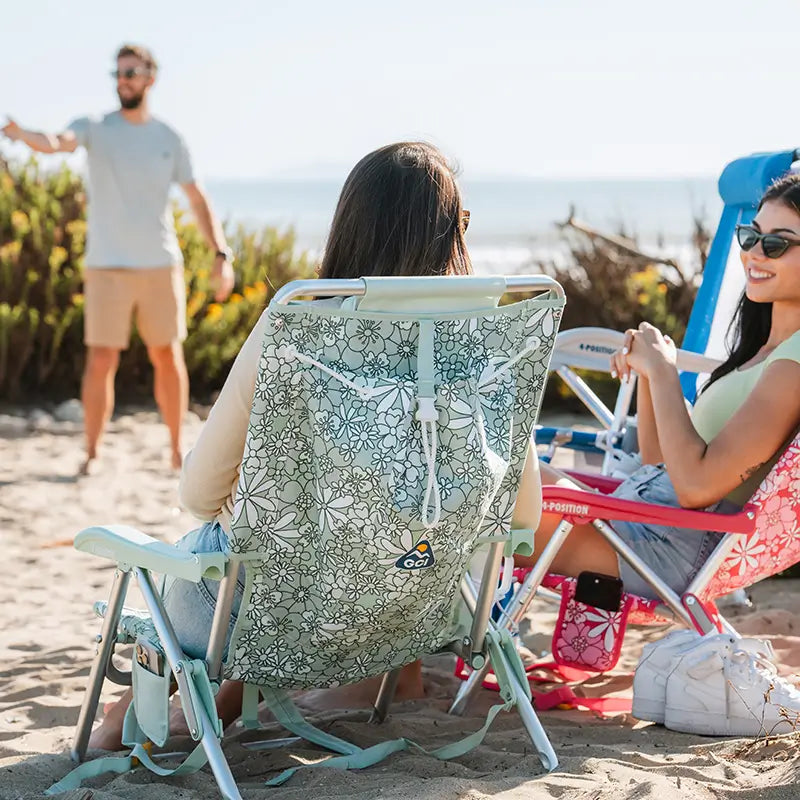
133 72
773 245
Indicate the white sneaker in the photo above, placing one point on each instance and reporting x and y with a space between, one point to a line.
724 688
652 671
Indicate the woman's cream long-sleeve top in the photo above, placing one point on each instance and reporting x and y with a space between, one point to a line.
211 469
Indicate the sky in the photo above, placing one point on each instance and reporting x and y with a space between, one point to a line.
534 88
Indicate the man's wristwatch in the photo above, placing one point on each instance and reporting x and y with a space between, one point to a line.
226 254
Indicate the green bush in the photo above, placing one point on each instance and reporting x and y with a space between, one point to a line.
42 238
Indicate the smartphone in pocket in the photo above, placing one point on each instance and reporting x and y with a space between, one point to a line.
149 656
598 590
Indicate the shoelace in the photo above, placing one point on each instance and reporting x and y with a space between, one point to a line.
759 672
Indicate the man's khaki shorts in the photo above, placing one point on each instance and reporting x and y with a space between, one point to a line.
157 297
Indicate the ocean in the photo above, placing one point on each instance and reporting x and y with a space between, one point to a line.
513 222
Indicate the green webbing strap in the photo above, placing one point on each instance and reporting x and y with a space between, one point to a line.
91 769
288 715
202 694
505 660
377 753
134 737
425 374
250 698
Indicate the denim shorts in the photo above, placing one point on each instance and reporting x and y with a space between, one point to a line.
190 606
675 554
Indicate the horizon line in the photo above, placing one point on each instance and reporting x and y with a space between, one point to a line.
479 178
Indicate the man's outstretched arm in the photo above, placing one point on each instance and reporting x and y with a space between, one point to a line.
65 142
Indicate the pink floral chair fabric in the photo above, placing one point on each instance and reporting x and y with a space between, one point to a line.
775 544
589 638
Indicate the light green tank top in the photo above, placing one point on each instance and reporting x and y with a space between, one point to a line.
716 406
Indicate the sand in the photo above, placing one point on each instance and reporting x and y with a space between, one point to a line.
46 648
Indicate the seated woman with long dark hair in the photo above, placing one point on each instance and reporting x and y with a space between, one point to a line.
745 416
399 214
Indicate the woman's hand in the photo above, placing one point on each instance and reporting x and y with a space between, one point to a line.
651 351
619 359
645 351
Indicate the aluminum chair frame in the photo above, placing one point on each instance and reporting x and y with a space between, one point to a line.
591 348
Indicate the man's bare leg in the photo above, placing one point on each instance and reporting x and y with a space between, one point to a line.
97 396
171 392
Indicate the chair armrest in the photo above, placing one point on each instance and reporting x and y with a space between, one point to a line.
591 348
130 547
577 505
603 483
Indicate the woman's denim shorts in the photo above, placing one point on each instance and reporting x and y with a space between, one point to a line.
674 554
190 606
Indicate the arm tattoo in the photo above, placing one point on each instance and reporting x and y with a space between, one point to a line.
750 471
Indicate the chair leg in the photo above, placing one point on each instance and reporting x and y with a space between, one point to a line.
385 695
534 728
196 713
515 611
105 649
468 689
216 758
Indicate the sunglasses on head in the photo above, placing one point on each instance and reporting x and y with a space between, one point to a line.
774 245
133 72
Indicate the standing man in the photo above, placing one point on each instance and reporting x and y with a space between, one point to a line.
134 265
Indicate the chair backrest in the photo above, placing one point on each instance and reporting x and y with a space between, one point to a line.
741 185
383 447
775 544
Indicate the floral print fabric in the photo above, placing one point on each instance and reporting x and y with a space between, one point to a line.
775 543
586 637
344 579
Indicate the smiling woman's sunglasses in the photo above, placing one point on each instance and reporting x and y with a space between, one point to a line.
773 245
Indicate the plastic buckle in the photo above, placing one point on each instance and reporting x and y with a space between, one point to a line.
426 410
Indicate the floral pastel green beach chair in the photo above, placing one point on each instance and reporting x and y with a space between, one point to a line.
399 421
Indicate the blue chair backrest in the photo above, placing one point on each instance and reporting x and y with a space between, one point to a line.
740 186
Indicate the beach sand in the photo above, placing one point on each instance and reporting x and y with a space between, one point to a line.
46 648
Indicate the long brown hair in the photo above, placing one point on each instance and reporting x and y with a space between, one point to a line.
399 214
750 327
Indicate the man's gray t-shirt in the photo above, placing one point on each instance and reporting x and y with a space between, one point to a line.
131 170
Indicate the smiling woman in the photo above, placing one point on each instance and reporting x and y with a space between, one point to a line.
745 417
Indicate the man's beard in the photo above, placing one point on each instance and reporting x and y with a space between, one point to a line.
131 102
